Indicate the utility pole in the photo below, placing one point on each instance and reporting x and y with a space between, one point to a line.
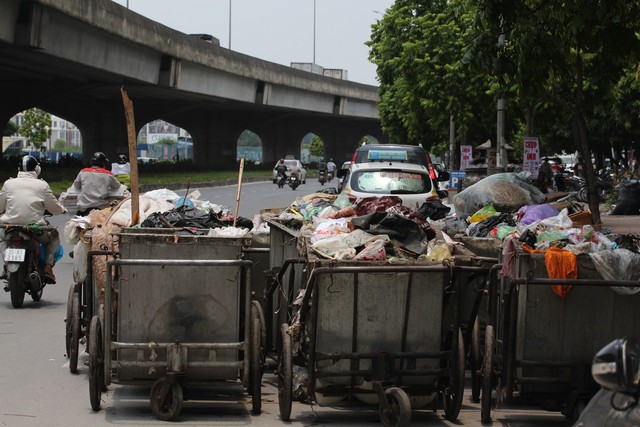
229 24
452 142
501 151
314 31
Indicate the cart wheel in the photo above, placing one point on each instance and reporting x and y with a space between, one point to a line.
476 362
74 344
96 363
256 363
285 375
263 329
487 375
166 404
452 395
400 414
67 320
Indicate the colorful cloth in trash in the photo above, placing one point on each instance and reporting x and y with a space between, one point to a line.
561 264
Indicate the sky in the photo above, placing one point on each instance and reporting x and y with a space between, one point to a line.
280 31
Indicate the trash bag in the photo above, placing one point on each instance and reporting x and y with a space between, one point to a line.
484 227
628 202
408 233
434 210
483 213
533 213
183 217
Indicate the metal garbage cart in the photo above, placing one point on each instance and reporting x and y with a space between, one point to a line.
378 332
539 346
181 318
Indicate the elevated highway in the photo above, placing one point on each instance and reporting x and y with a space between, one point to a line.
71 57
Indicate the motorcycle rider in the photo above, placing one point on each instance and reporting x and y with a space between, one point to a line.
94 184
331 167
281 170
122 170
23 201
322 170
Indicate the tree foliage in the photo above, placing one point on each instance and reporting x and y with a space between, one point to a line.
36 126
316 146
10 129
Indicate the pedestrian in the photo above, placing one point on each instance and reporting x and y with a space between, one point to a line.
23 201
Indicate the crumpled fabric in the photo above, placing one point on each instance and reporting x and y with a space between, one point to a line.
509 258
377 204
619 264
561 264
408 233
434 210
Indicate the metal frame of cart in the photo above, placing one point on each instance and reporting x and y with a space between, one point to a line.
540 345
381 332
228 367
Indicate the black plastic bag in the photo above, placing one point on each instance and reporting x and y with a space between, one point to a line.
434 210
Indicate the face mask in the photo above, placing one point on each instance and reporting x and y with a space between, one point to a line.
37 170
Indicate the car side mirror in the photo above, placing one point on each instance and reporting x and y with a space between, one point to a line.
443 176
342 173
615 367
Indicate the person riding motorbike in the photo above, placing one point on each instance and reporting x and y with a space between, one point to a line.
94 184
23 201
331 167
281 171
122 170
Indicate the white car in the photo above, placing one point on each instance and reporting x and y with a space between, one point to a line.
410 182
288 163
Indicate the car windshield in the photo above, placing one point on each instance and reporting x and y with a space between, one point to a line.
386 181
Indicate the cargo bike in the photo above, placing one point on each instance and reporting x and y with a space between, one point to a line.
178 317
539 347
375 331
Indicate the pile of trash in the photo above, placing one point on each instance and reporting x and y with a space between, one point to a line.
374 229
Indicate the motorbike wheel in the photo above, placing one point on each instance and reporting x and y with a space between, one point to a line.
16 285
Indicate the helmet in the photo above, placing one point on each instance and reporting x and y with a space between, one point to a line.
122 159
99 159
29 164
281 160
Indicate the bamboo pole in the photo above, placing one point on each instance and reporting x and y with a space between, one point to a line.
133 156
235 217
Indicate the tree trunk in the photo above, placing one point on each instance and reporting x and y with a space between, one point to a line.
581 127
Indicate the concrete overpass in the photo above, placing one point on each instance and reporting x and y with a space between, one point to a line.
71 57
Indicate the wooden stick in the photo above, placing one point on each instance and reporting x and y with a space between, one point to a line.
133 156
235 218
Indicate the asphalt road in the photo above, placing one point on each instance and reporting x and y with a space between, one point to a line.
37 389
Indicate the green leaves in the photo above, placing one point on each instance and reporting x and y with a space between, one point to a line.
36 126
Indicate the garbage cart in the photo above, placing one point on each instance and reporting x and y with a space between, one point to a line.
539 346
180 319
378 332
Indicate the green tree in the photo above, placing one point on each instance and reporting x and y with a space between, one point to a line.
36 126
60 145
316 146
167 141
565 56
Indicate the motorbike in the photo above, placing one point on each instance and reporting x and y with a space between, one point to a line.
329 175
281 180
322 177
293 181
25 269
566 181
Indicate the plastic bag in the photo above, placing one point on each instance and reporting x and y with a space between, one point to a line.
342 201
619 264
486 211
373 251
560 221
329 228
534 213
80 254
437 251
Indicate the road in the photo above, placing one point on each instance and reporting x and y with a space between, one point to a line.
36 388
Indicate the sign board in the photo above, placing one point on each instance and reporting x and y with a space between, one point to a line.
531 156
154 138
455 179
391 155
466 153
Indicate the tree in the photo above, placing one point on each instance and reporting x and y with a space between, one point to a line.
316 146
60 145
36 126
570 54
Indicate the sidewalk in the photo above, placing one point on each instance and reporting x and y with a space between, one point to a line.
621 224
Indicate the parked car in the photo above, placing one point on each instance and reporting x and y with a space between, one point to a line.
414 154
289 163
616 368
408 181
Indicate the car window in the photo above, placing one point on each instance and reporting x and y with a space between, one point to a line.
390 182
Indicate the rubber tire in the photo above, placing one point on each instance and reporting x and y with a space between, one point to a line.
16 288
400 415
583 194
67 320
256 364
476 362
487 375
452 397
96 363
285 375
172 405
74 345
263 330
